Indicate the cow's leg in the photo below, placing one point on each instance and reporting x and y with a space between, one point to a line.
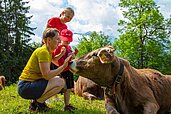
89 96
151 108
110 105
100 93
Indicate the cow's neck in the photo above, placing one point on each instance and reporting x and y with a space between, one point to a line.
118 72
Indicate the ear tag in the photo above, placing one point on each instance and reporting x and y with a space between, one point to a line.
103 58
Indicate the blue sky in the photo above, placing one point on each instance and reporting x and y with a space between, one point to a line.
90 15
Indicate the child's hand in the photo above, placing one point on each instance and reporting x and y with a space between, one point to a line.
75 51
63 50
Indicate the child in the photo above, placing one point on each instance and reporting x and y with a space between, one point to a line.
66 38
59 22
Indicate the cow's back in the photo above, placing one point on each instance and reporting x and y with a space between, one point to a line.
160 85
86 88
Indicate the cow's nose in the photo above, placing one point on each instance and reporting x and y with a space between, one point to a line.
70 63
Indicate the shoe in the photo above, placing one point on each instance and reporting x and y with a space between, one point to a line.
33 106
69 108
72 107
42 107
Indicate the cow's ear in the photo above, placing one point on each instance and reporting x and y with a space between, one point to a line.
105 56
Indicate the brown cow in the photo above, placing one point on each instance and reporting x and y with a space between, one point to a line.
2 82
88 89
128 90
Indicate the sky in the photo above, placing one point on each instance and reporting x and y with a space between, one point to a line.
90 15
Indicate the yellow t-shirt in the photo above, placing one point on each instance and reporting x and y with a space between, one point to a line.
31 71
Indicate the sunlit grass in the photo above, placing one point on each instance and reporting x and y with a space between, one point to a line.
12 103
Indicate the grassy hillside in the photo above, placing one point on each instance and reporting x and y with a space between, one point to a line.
12 103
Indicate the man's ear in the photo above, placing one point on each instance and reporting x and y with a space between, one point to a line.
48 39
105 55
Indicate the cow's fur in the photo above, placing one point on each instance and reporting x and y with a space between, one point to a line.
88 89
2 82
139 91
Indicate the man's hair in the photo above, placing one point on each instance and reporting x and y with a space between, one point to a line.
49 32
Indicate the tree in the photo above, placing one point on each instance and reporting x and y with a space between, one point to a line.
144 35
15 38
92 42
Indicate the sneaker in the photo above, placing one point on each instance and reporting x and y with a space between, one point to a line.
42 107
33 106
69 108
72 107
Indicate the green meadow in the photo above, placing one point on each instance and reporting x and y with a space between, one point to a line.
12 103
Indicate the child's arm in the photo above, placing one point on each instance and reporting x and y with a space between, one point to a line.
58 56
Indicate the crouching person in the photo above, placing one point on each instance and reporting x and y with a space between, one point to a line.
37 82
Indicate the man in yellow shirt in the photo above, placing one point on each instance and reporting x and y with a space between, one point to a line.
37 82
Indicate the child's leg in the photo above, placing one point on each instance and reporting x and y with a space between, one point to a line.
67 97
69 79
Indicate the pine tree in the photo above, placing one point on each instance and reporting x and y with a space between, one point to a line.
15 37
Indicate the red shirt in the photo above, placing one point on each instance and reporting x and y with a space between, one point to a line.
62 59
55 22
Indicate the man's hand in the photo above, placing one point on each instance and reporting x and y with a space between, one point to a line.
67 60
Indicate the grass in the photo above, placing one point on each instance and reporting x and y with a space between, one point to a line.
12 103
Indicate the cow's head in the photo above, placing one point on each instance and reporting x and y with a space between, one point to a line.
97 65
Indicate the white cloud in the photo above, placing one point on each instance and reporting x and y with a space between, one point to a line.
42 11
165 7
90 15
36 38
96 15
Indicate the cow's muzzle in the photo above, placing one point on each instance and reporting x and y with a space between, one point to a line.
72 65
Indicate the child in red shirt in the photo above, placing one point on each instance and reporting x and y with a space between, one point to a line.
59 22
65 49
